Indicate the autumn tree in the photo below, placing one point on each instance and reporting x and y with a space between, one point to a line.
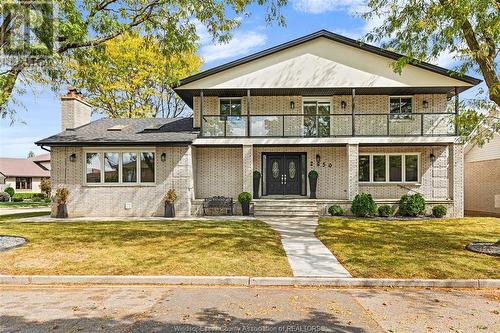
131 77
423 30
35 38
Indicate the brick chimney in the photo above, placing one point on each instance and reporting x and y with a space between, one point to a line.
75 112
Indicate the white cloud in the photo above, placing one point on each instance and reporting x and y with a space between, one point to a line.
241 44
446 59
322 6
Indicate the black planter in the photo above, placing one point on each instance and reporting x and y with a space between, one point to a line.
169 210
245 208
313 182
62 211
256 185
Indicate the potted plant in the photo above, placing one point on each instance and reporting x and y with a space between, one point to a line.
256 184
244 198
169 203
313 182
62 197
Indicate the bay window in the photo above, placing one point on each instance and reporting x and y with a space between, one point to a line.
389 168
114 167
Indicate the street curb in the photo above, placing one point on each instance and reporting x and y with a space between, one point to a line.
124 279
244 281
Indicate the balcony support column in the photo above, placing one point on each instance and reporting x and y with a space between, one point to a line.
352 151
456 109
248 169
248 112
202 102
353 104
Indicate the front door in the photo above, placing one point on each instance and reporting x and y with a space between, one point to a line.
283 174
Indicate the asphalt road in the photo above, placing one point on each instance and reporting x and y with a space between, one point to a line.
245 309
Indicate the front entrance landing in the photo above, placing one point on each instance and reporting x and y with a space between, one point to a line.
307 255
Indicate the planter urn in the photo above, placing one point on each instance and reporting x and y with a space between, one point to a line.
313 183
169 210
62 211
245 208
256 186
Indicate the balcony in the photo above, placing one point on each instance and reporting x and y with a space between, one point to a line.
332 125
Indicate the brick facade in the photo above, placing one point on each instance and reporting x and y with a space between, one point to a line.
200 172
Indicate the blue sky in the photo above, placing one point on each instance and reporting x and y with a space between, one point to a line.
42 118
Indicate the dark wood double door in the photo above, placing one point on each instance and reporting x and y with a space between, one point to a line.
283 174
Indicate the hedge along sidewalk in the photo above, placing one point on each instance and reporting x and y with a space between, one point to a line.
242 281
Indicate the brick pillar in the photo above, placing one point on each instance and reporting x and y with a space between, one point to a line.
248 168
352 170
457 152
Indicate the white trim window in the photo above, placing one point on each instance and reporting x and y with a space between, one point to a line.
119 167
389 168
400 107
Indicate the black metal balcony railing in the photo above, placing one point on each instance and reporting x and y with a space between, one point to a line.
332 125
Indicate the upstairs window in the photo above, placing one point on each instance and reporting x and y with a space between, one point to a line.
400 107
230 107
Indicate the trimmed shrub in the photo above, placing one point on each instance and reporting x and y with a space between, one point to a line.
15 199
439 211
39 196
244 197
10 191
313 174
4 197
256 173
25 195
363 205
385 211
335 210
412 205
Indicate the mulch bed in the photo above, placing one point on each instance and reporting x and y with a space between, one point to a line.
486 248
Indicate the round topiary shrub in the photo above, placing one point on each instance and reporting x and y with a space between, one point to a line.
385 211
4 197
335 210
412 205
363 205
439 211
244 197
10 191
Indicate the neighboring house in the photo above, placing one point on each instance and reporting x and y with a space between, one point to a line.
482 178
24 174
321 102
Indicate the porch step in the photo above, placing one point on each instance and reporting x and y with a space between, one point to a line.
299 208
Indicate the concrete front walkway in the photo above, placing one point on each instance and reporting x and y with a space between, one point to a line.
9 211
307 255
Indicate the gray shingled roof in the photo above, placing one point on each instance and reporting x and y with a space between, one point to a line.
134 132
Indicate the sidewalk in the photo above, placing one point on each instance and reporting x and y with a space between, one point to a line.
307 255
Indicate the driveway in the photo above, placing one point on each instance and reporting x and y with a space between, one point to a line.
245 309
307 255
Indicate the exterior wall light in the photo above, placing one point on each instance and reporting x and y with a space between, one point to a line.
425 104
318 159
163 157
72 157
432 157
343 105
292 105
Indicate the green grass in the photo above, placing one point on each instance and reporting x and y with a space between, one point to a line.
145 248
431 248
23 204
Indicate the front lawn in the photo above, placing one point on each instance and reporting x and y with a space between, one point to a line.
145 248
426 249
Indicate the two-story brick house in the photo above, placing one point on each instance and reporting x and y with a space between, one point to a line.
321 102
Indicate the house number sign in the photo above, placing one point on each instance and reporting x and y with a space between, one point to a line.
321 164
